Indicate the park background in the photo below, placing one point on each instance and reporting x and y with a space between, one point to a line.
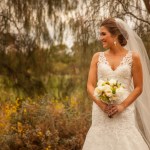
45 51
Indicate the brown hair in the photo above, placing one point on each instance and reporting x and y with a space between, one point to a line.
112 27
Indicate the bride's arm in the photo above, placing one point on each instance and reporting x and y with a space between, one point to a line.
92 80
137 80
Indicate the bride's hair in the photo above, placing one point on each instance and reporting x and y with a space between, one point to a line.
114 29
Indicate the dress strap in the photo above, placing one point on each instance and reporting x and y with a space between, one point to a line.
101 58
128 59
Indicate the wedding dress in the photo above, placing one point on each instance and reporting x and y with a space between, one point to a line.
119 132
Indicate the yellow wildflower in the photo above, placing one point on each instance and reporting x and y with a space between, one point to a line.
73 103
59 107
39 133
20 127
48 148
24 110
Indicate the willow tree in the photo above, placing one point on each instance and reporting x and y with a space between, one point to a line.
40 24
24 31
34 16
136 13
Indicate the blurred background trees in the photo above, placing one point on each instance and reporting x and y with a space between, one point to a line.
46 46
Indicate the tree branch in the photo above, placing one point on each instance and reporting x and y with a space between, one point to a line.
11 20
128 12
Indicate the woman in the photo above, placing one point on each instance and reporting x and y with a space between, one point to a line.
115 127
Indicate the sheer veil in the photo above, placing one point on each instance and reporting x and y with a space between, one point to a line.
142 104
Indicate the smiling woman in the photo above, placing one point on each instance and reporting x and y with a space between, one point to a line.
111 36
110 31
120 64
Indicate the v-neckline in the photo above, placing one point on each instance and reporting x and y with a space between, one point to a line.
119 63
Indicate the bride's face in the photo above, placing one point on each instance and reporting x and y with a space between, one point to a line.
106 37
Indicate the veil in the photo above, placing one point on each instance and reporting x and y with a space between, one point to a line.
142 104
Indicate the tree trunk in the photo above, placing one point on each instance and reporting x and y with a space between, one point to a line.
147 4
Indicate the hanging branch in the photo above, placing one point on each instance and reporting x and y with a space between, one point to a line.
130 13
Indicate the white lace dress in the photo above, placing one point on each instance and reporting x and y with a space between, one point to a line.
119 132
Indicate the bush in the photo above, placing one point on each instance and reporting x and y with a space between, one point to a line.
44 124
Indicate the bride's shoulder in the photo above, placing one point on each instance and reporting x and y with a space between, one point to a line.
96 57
136 58
135 55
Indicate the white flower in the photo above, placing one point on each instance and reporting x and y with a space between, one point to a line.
102 88
106 87
114 98
112 82
97 92
108 91
48 133
100 82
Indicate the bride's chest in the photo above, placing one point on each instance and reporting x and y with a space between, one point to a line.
122 71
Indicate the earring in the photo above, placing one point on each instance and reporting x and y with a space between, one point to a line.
115 43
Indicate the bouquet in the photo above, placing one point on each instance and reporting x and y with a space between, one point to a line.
109 91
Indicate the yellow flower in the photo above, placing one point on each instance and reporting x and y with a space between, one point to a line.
48 148
24 110
39 133
59 107
73 103
20 127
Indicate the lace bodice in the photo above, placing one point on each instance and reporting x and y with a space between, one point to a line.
122 73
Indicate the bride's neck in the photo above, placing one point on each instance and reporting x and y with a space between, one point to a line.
116 49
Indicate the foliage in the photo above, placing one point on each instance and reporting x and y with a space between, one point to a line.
43 123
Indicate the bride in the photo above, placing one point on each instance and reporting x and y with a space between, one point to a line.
126 124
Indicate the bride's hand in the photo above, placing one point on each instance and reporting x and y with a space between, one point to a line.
115 109
102 105
107 108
